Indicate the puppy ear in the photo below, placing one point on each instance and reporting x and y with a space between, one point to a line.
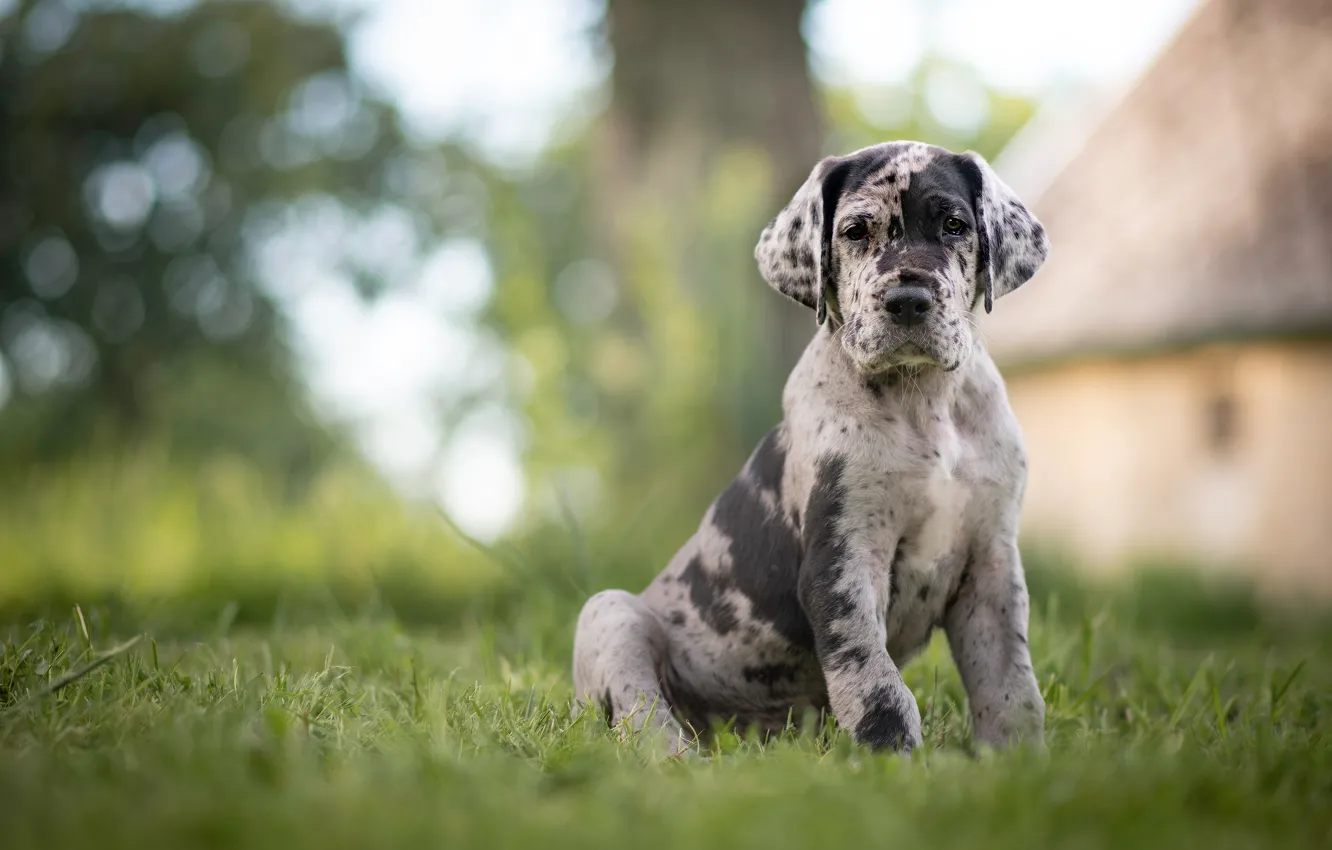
1013 244
794 253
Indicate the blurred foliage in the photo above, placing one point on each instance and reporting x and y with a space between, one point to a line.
224 539
144 159
155 548
909 110
151 166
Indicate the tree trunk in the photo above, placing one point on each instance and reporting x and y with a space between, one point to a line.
712 126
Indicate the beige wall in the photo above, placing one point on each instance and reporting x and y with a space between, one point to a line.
1130 462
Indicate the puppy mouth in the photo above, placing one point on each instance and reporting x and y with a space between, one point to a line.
906 356
911 354
875 348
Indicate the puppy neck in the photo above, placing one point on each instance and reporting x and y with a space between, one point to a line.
922 393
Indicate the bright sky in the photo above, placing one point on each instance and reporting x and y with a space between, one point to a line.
505 71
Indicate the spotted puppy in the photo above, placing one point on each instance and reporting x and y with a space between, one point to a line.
884 505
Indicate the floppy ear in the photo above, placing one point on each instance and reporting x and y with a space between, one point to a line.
795 251
1012 242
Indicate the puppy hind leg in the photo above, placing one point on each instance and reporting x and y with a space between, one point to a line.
618 648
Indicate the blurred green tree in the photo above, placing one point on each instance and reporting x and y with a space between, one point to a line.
624 281
146 159
142 157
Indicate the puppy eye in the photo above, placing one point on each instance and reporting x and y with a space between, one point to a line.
954 226
856 232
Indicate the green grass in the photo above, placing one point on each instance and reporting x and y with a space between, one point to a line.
325 668
358 731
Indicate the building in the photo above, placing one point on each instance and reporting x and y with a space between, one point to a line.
1172 362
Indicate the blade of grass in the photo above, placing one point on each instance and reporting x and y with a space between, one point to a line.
70 678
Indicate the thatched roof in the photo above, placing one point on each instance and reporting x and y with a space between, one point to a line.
1201 206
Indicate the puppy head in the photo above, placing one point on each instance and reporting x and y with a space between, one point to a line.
895 244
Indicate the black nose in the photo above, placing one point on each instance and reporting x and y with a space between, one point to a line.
908 305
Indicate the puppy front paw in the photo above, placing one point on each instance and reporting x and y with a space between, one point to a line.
891 720
1018 720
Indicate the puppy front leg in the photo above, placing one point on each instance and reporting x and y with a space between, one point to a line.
987 632
865 688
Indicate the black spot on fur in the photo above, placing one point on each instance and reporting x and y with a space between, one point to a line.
895 227
852 657
677 618
826 556
770 674
895 571
765 551
707 596
830 643
768 463
963 579
890 257
884 725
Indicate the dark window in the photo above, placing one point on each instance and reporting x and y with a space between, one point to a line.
1221 423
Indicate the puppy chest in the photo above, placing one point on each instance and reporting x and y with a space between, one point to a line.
924 518
922 554
938 521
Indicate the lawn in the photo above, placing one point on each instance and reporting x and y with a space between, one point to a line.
1184 723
